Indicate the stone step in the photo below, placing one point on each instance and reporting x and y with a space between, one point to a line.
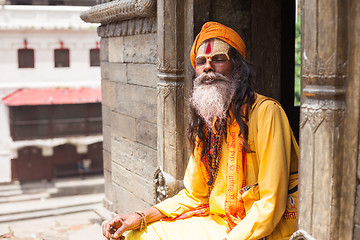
11 192
9 186
48 212
76 186
49 203
23 197
19 190
12 211
42 189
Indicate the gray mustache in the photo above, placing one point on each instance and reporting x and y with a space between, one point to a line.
211 76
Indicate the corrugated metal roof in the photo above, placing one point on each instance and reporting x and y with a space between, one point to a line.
48 96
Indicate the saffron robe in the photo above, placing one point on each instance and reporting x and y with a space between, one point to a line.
270 208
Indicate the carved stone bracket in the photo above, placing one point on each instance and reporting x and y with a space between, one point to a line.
301 235
165 185
164 89
320 71
119 10
168 67
324 111
128 27
323 103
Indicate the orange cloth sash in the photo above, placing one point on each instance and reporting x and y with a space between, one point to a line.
217 30
236 172
202 210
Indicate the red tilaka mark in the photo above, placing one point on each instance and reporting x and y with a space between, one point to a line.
208 48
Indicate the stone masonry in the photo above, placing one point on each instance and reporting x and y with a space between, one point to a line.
129 76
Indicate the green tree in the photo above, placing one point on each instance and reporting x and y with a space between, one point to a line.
297 61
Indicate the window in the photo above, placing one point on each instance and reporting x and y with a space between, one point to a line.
62 58
94 57
49 121
26 58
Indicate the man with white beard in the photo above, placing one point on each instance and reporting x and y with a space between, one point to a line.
241 181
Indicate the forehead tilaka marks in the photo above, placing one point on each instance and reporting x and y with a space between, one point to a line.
208 47
212 47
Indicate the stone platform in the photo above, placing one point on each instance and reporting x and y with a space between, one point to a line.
65 209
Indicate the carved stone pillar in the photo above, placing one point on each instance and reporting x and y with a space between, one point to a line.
170 22
324 72
349 225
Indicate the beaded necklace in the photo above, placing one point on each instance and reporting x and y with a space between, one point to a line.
213 155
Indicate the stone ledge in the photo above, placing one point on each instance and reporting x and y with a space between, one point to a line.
119 10
128 27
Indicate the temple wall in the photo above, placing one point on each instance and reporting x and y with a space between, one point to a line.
146 80
129 77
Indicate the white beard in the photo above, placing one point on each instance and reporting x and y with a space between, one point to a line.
211 96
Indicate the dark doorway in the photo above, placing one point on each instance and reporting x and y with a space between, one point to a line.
95 155
65 160
30 165
268 30
273 53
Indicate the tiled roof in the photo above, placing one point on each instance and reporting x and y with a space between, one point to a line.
49 96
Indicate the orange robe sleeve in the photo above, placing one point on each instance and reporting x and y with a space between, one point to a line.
194 194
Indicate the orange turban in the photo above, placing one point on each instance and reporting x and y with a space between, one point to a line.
217 30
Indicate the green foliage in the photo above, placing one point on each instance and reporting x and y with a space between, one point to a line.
297 61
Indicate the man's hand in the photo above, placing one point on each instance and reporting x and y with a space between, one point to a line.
114 228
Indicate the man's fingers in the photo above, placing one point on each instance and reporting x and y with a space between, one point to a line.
109 229
107 226
116 222
119 232
112 225
105 229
